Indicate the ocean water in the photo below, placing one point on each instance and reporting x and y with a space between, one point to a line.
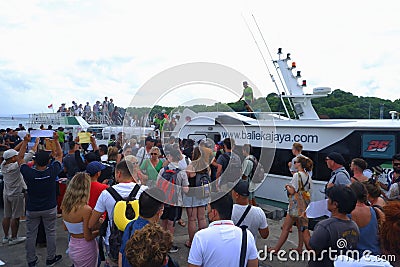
12 122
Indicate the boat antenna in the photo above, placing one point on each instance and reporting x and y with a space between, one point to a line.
279 76
266 65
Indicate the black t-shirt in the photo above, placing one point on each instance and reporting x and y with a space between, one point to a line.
41 186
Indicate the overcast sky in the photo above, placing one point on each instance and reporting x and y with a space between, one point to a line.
53 52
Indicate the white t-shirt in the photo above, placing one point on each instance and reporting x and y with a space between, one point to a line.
104 157
254 220
295 181
183 164
220 244
106 202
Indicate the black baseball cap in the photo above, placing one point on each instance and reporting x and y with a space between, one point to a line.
242 188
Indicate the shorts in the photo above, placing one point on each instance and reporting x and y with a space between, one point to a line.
193 201
170 213
14 206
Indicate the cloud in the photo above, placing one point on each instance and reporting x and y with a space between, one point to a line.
85 50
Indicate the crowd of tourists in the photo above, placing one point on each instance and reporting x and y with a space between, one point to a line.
123 200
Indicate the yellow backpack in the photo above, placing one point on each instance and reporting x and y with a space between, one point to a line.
125 210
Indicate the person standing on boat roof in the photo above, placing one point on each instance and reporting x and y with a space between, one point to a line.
111 106
248 96
335 162
86 111
105 106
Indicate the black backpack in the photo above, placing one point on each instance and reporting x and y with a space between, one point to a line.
115 238
203 188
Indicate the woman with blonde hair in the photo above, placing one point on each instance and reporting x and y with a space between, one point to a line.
76 213
152 166
138 176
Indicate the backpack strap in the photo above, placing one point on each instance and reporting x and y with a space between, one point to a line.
135 190
243 215
117 197
243 248
301 180
346 174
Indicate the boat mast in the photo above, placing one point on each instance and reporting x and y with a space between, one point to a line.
269 72
280 78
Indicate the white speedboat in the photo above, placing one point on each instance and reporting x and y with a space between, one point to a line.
272 134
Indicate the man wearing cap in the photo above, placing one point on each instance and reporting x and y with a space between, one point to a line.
255 218
144 152
339 175
337 234
42 202
13 196
94 169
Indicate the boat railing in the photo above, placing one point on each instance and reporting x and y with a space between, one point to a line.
97 118
48 118
262 115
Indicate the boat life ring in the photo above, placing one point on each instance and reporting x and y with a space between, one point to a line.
125 212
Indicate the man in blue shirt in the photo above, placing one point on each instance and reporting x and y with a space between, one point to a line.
151 208
41 201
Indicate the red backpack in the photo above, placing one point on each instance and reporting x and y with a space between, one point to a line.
167 183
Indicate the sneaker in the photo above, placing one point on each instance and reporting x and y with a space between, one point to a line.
33 263
52 262
5 240
173 249
17 240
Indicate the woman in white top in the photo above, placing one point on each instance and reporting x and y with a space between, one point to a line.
301 182
76 213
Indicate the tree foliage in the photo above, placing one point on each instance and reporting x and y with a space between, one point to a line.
337 105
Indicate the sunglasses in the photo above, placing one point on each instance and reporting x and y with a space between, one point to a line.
153 153
396 164
135 163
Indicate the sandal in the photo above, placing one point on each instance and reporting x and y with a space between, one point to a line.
188 244
182 223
